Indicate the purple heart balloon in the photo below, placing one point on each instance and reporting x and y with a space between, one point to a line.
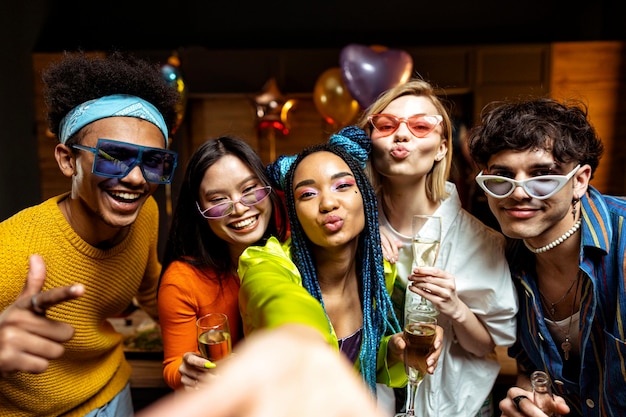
367 72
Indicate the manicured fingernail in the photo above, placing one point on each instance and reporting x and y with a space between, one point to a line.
209 365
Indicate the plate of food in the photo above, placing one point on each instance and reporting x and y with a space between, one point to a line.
142 335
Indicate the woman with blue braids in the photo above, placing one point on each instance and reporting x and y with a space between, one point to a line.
330 274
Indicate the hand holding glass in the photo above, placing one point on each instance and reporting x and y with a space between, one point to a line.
542 393
213 334
419 333
426 241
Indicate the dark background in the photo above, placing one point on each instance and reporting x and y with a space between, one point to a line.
34 26
321 23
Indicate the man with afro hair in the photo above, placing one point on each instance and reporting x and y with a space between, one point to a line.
71 262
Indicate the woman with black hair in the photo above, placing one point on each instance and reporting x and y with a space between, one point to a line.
225 204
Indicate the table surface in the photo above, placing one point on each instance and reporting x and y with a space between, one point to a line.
148 373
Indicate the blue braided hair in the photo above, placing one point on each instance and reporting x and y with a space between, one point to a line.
352 145
353 139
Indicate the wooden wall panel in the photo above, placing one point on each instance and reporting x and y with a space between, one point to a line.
520 64
508 72
449 68
595 72
52 181
211 116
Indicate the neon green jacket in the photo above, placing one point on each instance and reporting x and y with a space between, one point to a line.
272 294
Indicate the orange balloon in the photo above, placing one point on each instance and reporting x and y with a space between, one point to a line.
333 100
378 48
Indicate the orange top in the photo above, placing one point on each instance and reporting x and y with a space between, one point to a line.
185 294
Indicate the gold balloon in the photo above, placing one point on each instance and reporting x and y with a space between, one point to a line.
333 100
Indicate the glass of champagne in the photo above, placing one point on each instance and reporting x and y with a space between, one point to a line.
426 241
419 334
213 336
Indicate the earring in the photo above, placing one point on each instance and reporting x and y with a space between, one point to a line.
575 201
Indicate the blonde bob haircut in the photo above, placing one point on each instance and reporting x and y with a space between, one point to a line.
436 178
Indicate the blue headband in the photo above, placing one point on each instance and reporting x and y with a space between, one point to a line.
110 106
351 138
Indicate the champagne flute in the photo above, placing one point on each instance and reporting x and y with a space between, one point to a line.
419 334
213 334
426 241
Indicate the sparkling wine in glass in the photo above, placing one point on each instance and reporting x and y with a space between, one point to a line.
419 333
426 241
213 336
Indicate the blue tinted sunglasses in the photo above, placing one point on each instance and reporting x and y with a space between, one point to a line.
114 159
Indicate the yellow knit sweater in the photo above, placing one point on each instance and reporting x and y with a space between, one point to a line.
93 369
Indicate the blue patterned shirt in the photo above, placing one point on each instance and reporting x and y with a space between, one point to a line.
598 388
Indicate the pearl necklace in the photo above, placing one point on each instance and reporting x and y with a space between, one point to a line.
556 242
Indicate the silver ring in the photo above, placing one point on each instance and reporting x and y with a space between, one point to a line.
36 308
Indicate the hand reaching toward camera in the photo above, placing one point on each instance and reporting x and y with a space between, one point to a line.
285 371
28 339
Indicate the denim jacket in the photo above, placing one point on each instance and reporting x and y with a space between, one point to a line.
600 387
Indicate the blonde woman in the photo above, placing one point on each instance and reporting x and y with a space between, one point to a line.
470 285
